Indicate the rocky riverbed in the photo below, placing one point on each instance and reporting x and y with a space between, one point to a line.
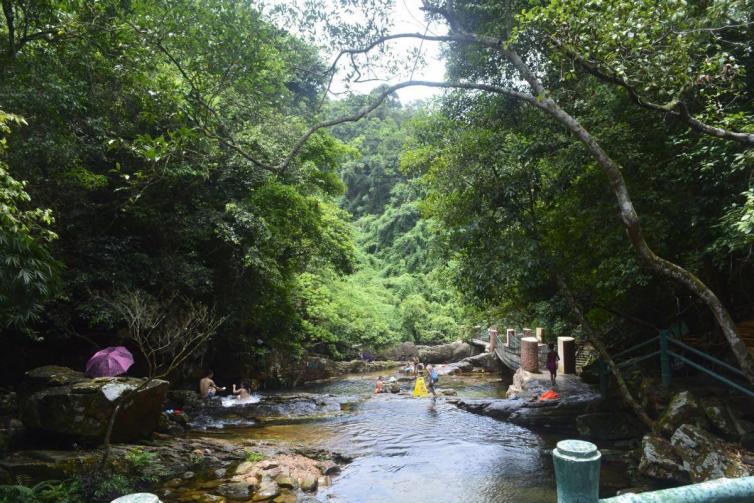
488 439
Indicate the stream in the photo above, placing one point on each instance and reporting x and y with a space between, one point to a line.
420 450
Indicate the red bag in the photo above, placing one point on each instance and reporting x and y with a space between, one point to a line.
550 395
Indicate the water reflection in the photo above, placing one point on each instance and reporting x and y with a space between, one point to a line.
414 450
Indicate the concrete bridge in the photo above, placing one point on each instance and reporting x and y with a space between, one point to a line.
527 349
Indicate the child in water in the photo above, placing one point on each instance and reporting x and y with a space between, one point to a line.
380 387
552 362
242 393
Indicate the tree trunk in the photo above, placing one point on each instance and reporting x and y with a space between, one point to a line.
596 339
11 25
111 422
658 264
109 431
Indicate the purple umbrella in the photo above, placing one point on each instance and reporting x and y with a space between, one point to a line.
110 361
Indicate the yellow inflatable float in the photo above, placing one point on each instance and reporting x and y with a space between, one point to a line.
420 390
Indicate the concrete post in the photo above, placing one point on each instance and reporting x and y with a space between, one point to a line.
509 334
493 339
539 333
567 353
527 332
577 471
530 354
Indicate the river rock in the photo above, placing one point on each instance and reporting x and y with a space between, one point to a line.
239 491
75 407
12 432
8 403
38 465
456 368
281 407
328 467
445 353
653 396
684 408
308 483
285 481
244 468
659 460
607 426
268 489
707 457
138 498
286 497
487 361
400 352
183 399
722 418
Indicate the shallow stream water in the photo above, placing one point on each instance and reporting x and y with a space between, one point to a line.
422 450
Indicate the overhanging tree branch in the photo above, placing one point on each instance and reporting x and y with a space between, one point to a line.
676 108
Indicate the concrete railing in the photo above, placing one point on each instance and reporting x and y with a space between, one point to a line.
577 474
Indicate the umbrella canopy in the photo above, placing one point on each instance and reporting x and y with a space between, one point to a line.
111 361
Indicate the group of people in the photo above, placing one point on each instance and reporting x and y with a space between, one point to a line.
391 385
208 388
426 379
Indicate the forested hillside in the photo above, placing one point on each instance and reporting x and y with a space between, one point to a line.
126 170
400 290
163 151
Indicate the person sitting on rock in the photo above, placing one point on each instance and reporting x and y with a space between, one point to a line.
207 387
243 392
380 387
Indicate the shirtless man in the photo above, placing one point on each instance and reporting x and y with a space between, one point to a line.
207 387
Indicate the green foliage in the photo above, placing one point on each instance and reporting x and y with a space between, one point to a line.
28 271
254 457
49 491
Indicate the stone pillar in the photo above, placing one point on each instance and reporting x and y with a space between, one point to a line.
567 353
493 339
527 332
509 334
530 354
577 471
538 333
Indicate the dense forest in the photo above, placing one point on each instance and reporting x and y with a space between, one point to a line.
155 150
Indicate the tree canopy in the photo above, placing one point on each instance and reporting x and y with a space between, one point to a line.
594 154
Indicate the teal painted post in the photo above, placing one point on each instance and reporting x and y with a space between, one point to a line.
604 377
577 471
665 371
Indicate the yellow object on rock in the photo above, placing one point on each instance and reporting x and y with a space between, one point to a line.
420 390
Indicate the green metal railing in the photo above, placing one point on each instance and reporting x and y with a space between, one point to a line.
577 474
668 350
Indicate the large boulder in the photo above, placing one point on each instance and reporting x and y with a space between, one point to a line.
315 368
68 405
722 418
487 361
445 353
706 456
684 408
660 461
401 352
